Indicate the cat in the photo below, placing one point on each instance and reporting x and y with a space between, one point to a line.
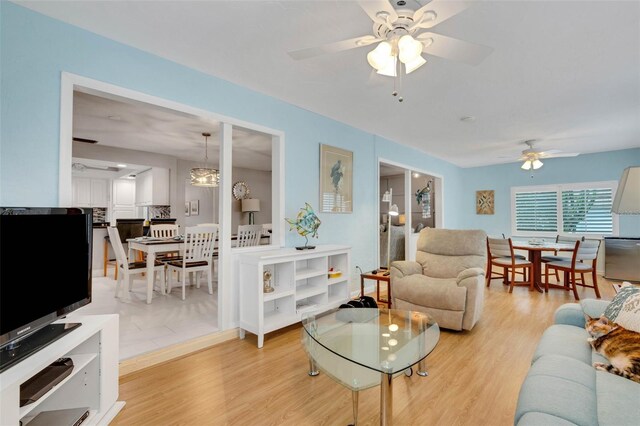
619 345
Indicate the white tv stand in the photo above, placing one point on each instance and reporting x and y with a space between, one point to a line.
93 382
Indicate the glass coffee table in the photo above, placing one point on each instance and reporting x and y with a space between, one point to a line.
362 347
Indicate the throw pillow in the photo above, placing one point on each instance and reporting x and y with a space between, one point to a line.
624 309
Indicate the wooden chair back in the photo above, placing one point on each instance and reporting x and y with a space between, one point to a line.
588 250
499 247
199 242
249 235
163 231
568 238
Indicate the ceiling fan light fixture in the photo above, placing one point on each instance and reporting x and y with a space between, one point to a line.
390 69
537 164
526 165
381 56
409 48
415 64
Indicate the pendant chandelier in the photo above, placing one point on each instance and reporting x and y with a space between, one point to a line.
205 176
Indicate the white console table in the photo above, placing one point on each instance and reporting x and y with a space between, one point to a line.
301 282
93 382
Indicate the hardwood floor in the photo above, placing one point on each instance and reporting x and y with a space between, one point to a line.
474 377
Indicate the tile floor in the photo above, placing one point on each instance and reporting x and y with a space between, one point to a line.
164 322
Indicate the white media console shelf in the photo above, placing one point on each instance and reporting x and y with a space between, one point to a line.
93 383
301 282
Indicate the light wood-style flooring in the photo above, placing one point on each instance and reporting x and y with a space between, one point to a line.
474 377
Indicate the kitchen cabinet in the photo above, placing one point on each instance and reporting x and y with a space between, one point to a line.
152 187
99 193
124 199
88 192
81 188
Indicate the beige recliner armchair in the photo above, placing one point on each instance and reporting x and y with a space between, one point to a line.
447 281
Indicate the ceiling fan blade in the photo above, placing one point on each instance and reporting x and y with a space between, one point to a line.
372 7
558 155
454 49
550 152
338 46
443 11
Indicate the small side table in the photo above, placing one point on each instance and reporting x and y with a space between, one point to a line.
378 277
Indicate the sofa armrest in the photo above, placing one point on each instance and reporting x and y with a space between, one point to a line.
403 268
574 313
469 273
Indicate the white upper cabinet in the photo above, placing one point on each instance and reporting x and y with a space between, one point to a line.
99 193
89 192
124 192
152 187
81 188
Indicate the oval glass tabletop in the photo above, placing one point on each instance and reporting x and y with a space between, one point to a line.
385 340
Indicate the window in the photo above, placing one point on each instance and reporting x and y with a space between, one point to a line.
564 209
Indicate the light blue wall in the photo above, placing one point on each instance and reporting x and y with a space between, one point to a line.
584 168
35 49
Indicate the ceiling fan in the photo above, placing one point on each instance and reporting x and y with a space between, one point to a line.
403 35
532 156
79 167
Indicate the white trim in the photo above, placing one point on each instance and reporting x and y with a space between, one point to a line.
558 188
65 192
72 82
439 200
225 273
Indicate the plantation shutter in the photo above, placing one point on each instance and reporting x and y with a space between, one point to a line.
587 211
537 211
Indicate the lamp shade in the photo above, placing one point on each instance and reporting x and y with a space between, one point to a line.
393 211
202 176
250 205
627 199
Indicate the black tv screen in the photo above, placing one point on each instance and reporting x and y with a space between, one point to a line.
45 267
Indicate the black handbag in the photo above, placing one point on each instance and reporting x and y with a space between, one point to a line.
361 302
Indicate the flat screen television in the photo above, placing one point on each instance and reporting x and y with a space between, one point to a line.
45 273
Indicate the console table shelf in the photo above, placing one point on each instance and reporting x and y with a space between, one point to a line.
301 283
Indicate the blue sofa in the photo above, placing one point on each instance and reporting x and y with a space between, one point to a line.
563 388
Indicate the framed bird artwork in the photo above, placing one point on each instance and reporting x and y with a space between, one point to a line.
336 180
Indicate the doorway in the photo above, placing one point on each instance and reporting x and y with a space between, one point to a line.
215 209
410 200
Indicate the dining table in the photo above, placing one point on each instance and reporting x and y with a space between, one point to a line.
152 246
535 249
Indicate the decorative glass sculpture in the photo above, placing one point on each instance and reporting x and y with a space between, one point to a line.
306 224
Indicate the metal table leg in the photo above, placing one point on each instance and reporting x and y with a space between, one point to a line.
386 400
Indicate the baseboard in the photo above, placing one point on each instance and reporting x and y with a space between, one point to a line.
178 350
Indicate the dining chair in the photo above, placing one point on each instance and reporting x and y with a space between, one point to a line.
163 231
500 254
249 235
583 260
197 257
567 239
129 269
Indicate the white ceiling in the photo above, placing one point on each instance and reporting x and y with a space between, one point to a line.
135 125
564 72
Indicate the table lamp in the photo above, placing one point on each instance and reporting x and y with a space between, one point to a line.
250 205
